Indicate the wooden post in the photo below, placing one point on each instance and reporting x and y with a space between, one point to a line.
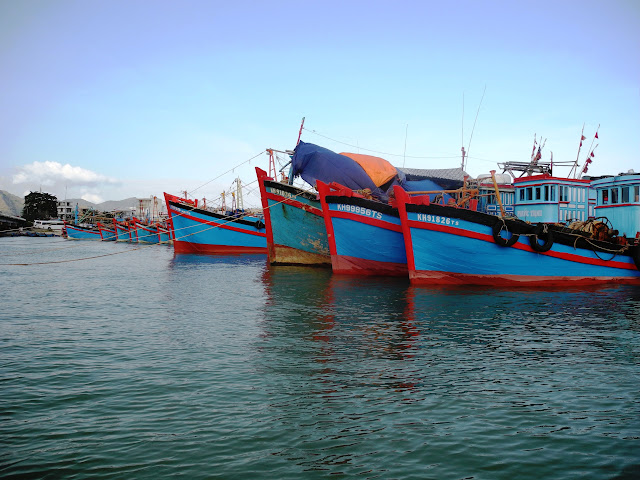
495 185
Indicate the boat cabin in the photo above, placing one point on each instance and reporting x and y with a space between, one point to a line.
618 199
547 199
487 200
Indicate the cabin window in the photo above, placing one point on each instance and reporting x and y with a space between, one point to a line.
614 195
546 193
625 194
636 193
522 194
563 194
529 193
553 193
605 197
537 193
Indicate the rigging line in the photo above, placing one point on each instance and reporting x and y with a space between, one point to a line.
224 173
216 225
474 122
373 151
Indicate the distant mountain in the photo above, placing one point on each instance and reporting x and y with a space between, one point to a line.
107 206
11 204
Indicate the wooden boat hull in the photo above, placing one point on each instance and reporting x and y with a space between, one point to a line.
448 245
294 224
365 236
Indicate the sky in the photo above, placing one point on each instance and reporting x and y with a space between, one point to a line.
105 100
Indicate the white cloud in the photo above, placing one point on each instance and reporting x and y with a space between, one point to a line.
90 197
51 173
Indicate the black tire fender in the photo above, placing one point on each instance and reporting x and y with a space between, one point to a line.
636 256
544 234
500 240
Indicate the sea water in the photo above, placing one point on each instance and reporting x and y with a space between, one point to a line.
126 361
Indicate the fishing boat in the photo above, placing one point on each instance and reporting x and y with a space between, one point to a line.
164 233
455 244
106 234
122 231
77 232
362 224
294 223
145 233
197 230
365 235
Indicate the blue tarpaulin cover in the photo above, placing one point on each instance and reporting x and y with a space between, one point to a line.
314 163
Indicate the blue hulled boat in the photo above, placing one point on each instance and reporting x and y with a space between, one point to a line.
122 231
76 232
365 235
145 233
197 230
451 245
107 234
294 224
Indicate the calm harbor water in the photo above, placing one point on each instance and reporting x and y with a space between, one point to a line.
146 364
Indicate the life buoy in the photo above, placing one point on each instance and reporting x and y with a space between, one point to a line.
543 233
497 228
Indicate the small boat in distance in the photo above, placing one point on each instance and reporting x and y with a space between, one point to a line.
123 234
77 232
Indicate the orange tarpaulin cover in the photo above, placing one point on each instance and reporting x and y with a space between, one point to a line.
377 168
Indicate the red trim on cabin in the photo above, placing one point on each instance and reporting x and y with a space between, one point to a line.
618 205
425 277
568 181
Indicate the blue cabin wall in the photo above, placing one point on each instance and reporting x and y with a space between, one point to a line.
489 204
618 199
549 199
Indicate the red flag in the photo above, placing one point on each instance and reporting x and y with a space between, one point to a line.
588 161
592 154
584 170
583 138
581 142
597 135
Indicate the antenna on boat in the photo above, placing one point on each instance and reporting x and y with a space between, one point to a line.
476 119
404 155
239 201
462 136
590 155
300 132
575 164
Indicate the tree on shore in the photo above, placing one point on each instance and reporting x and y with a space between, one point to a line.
39 206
